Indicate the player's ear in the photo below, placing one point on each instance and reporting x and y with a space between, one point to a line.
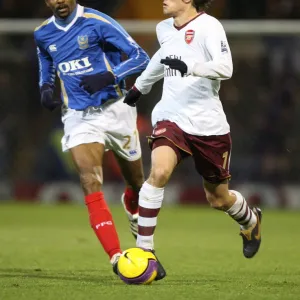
47 3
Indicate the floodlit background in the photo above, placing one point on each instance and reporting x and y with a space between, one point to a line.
49 252
261 102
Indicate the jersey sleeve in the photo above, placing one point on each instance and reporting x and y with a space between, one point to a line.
220 66
153 73
46 66
137 58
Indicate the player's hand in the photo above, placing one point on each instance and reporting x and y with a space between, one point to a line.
175 64
132 96
47 99
96 82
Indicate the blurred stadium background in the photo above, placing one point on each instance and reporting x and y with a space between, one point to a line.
261 102
49 251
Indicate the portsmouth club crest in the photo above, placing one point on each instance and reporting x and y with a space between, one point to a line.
189 36
83 42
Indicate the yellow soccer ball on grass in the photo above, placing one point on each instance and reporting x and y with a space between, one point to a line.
137 266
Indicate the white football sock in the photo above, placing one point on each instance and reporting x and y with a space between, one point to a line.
150 202
241 212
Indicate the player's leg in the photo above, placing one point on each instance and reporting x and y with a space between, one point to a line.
235 205
133 174
123 139
88 161
212 158
168 149
163 162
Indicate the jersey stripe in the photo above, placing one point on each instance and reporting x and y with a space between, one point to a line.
63 90
42 25
94 16
137 67
109 68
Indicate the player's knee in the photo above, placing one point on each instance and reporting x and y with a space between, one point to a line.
90 183
159 176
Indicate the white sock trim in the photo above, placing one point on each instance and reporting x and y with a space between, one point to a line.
147 203
148 186
237 204
146 242
150 196
239 209
147 222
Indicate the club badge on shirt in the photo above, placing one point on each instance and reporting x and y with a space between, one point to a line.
189 36
83 42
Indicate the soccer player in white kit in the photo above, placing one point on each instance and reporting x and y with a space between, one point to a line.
189 120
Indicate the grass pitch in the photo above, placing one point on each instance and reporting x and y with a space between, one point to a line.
50 252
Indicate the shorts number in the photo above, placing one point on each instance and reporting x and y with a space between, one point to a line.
126 145
225 157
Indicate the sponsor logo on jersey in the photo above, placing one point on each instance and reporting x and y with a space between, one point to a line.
75 65
53 48
83 42
189 36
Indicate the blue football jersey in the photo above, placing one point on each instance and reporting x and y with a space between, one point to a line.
91 43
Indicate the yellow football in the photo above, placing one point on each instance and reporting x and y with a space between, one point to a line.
137 266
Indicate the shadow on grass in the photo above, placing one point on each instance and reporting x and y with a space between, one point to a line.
78 275
101 277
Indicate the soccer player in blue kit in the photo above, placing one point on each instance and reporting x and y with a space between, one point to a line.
84 48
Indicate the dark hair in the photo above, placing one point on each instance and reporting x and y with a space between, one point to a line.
201 4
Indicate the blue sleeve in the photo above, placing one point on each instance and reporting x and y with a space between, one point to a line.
46 66
137 58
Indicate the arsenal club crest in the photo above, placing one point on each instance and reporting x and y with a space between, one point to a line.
189 36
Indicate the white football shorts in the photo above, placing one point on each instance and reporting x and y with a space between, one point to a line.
112 124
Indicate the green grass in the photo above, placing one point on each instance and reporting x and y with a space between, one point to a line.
50 252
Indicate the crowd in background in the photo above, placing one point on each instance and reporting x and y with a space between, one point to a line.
261 100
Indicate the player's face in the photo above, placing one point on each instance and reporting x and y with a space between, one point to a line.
61 8
172 8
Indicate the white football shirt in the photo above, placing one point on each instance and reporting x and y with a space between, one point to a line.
192 101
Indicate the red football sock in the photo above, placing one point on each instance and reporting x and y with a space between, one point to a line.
131 200
102 223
